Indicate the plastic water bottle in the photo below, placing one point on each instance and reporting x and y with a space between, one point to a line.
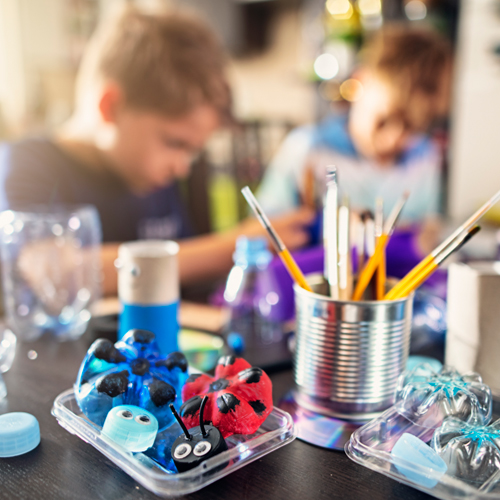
251 297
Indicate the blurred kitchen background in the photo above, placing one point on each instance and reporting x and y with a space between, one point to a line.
291 61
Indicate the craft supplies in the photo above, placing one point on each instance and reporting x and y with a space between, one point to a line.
251 298
452 413
372 264
380 276
196 444
442 247
19 434
131 371
330 214
348 355
148 289
283 252
51 269
345 265
239 397
132 427
419 278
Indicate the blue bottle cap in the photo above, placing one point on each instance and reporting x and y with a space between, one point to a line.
132 427
19 433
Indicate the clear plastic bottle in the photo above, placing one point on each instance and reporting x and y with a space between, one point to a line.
251 297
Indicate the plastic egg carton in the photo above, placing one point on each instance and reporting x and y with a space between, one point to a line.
438 437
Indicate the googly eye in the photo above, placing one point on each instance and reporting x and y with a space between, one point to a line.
126 414
182 451
143 419
202 448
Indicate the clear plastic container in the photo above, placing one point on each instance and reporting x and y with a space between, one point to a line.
275 432
435 408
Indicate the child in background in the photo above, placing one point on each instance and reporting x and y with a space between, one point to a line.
381 147
151 90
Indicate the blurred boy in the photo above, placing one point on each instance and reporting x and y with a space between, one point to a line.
150 92
380 148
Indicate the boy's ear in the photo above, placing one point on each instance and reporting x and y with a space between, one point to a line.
110 101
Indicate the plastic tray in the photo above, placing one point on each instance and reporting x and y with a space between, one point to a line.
366 448
275 432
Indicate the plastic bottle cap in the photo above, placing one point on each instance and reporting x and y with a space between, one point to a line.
19 433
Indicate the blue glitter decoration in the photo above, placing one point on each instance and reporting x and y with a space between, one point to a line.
471 452
131 372
132 427
426 397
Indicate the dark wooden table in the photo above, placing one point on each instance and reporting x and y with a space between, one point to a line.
65 467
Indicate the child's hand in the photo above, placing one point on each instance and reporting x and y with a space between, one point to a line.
292 227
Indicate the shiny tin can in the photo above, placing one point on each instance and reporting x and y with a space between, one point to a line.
348 354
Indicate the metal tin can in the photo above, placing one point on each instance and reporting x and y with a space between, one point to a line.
348 354
148 289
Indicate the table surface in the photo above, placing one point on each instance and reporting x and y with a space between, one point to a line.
64 466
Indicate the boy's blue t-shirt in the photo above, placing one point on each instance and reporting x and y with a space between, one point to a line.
37 171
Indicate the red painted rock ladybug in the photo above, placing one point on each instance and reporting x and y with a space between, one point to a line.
239 397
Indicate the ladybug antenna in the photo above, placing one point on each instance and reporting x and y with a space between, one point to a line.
204 433
181 423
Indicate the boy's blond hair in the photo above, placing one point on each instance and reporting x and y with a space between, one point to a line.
168 62
415 61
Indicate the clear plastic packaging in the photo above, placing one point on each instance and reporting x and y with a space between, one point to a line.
456 452
275 432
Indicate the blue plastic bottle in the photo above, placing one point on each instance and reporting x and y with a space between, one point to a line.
251 297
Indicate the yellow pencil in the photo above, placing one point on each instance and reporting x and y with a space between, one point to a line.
426 272
430 258
367 272
282 250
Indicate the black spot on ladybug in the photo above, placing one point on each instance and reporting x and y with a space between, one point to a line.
105 350
226 360
258 407
250 375
219 385
227 402
114 384
191 406
161 393
174 360
139 366
143 336
193 377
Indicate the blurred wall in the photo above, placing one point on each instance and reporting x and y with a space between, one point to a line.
41 42
475 153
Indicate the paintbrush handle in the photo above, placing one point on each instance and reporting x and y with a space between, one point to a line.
417 280
401 284
294 269
371 266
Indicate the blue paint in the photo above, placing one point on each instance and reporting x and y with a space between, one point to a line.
162 320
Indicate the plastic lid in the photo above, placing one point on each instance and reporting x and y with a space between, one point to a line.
252 251
19 433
